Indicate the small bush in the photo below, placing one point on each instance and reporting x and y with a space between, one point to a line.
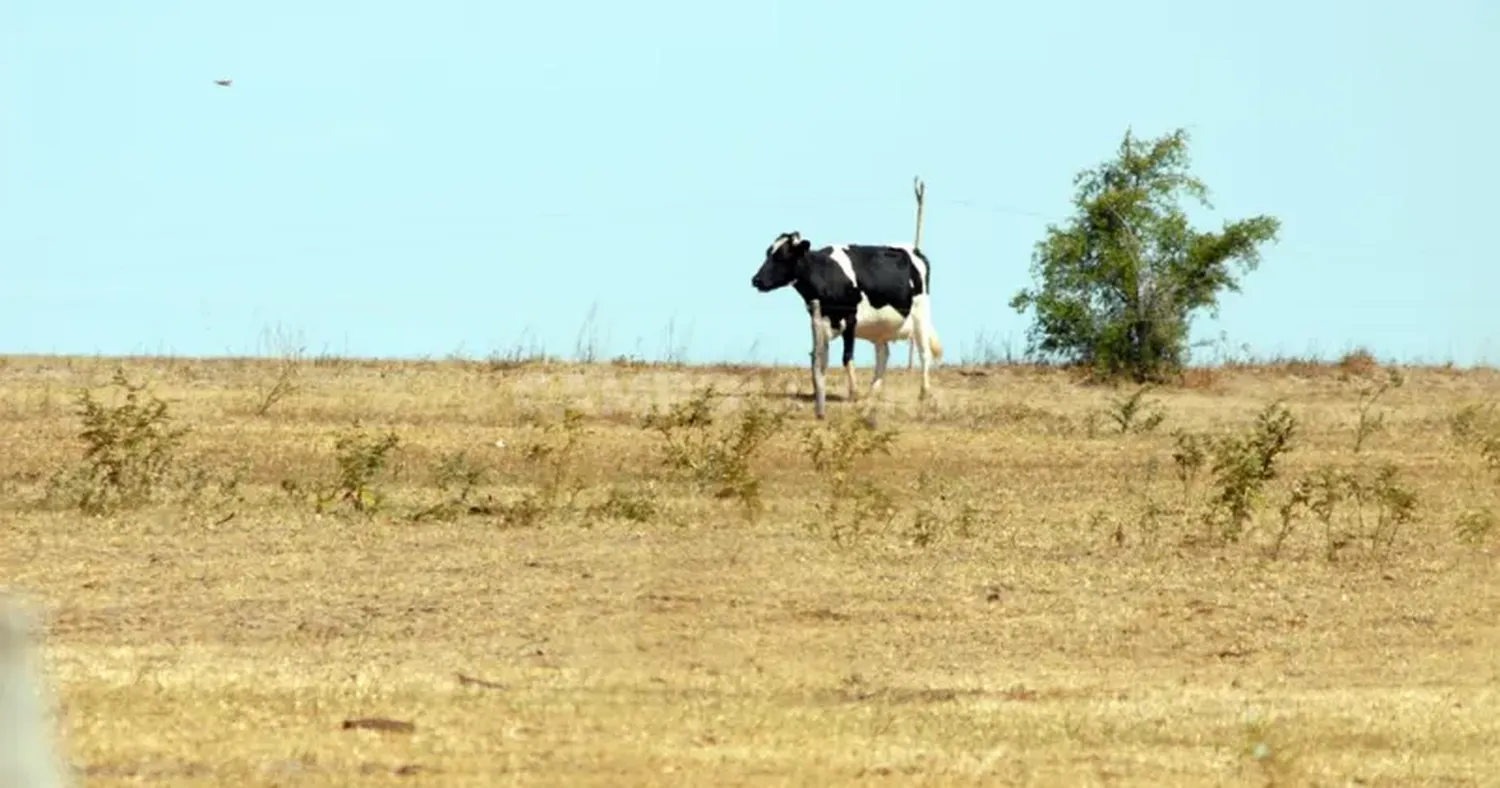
284 385
1243 464
458 478
1475 526
1394 503
1476 428
852 508
1320 493
1134 413
625 503
1359 362
1368 422
1189 455
1473 423
554 454
1374 504
129 451
836 449
718 457
360 458
291 357
938 514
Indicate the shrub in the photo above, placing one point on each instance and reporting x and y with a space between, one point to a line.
851 509
360 458
1134 413
457 477
716 456
554 455
129 451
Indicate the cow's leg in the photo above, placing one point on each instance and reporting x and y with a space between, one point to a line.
911 352
820 338
849 358
882 357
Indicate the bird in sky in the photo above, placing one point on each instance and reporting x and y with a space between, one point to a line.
223 83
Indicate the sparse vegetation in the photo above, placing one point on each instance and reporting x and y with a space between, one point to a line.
636 505
1370 422
1475 526
1475 432
853 506
1358 504
717 456
290 357
1133 413
1378 505
1477 429
360 458
940 511
1240 466
532 539
553 456
458 478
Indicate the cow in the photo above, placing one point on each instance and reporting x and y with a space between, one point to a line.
880 294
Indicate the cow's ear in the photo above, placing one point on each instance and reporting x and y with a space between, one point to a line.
803 245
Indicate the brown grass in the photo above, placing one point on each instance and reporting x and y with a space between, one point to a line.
1048 608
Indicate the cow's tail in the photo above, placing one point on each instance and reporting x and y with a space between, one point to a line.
929 332
934 345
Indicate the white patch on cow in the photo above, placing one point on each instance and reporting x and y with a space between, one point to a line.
840 257
781 241
911 254
881 325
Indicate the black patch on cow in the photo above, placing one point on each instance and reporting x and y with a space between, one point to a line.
888 274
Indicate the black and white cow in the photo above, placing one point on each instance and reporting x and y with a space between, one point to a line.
880 294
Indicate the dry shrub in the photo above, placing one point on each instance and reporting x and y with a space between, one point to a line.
458 478
1198 378
717 456
1358 362
853 505
130 452
554 455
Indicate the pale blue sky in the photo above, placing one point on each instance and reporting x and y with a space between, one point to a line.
384 180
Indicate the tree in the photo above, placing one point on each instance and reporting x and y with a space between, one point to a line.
1117 286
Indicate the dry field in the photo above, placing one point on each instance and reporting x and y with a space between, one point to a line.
1018 593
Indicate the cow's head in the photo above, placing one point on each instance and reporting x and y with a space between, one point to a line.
784 259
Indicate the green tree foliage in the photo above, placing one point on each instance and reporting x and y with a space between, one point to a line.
1117 286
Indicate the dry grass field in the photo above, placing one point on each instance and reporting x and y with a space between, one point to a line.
1002 586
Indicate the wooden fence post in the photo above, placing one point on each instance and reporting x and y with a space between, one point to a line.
920 189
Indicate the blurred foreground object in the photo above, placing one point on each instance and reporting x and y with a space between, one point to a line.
28 754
